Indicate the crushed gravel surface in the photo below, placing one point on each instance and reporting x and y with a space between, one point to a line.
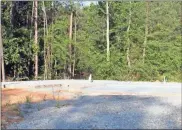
103 112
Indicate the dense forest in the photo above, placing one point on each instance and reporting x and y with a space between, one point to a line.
129 41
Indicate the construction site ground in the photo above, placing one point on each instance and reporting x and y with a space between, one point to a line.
58 104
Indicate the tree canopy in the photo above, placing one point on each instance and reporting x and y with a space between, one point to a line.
145 34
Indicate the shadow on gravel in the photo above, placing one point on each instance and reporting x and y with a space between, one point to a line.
101 112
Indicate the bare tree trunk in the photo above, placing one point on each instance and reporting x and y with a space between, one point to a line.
51 62
28 27
36 39
146 31
128 57
2 70
0 67
70 45
128 39
44 50
1 46
73 71
1 59
31 22
50 45
45 44
107 32
48 60
55 67
64 73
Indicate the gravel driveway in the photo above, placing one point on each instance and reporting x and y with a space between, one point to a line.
106 112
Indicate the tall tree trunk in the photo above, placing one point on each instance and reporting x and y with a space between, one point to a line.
50 60
0 66
31 30
74 51
2 70
36 39
55 67
107 32
70 45
50 44
45 44
128 39
64 73
146 31
28 59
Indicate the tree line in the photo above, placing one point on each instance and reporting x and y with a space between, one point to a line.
111 39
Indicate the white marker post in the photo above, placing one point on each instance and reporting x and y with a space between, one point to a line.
90 78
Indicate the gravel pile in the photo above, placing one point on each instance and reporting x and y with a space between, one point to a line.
102 112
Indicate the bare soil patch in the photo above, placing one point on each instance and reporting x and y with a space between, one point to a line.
11 98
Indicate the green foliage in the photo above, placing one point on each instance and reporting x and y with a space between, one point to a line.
163 47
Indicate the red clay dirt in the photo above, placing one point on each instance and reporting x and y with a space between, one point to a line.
10 98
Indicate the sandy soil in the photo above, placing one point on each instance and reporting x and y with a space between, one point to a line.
12 97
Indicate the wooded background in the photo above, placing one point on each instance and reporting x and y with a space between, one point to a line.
138 41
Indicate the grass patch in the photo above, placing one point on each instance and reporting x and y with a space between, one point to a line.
28 99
